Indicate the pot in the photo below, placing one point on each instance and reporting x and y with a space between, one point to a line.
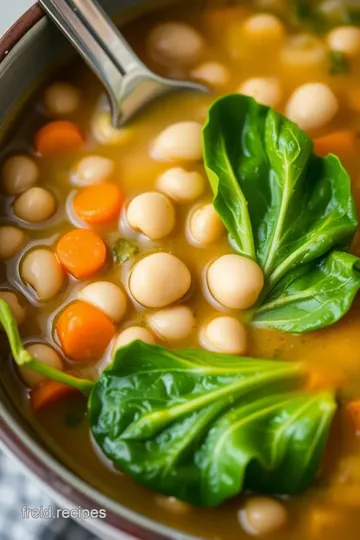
27 52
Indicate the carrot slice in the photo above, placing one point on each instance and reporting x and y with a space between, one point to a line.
58 137
342 143
48 393
84 331
81 252
99 203
321 381
353 409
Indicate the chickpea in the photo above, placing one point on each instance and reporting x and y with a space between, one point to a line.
105 133
172 324
345 39
304 53
93 170
266 90
263 515
205 225
181 185
46 355
62 98
17 309
151 213
235 281
41 270
312 106
35 205
132 334
224 335
11 240
211 73
175 42
159 280
179 142
264 28
18 174
106 296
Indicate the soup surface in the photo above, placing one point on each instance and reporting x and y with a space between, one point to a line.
74 188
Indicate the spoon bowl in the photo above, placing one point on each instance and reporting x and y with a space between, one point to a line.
129 84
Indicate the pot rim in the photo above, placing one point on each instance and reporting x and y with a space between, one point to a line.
38 462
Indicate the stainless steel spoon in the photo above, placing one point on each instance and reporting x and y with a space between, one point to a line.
130 85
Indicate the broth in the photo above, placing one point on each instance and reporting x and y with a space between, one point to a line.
331 507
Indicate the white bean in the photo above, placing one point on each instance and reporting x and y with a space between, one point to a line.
105 133
304 52
106 296
179 142
151 213
35 205
11 240
235 281
225 335
211 73
345 39
62 98
172 324
312 106
17 309
93 170
264 28
46 355
263 515
18 174
265 90
158 280
205 225
42 271
175 42
132 334
181 185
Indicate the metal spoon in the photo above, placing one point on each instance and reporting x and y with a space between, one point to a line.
130 85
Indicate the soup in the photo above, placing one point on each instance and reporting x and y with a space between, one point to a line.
140 242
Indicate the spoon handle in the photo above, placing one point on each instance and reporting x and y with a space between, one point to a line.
107 34
73 27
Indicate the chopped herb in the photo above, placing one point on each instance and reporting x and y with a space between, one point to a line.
74 418
339 64
123 250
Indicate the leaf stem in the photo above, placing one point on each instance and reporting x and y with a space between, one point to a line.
23 358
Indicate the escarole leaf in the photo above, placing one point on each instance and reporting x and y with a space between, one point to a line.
202 426
283 206
313 295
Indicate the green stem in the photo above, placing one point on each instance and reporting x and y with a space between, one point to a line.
23 358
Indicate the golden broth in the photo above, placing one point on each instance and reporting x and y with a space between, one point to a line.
330 508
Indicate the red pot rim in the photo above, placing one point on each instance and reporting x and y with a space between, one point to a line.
19 29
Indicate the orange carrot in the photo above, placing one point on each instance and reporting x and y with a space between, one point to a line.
82 253
98 204
58 137
322 381
353 408
48 393
84 331
342 143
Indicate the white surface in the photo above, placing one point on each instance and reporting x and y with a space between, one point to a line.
11 10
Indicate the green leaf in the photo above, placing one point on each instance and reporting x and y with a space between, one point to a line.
123 250
339 64
282 205
202 426
23 358
319 17
313 295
